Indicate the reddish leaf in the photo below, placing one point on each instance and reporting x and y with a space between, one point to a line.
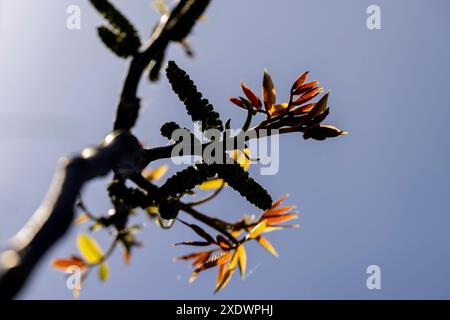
63 264
300 81
237 102
304 88
251 96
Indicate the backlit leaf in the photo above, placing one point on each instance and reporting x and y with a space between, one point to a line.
277 211
251 96
300 81
257 230
237 102
63 264
309 95
306 87
243 158
242 256
223 242
230 270
213 261
211 184
103 272
267 245
268 92
278 109
89 249
82 218
281 218
157 173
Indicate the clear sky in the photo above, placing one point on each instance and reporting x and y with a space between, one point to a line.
377 196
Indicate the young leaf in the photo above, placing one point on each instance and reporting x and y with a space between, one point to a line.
277 211
243 158
237 102
228 274
223 242
299 82
89 249
268 92
242 259
251 96
157 173
63 264
267 245
257 230
211 184
103 272
82 218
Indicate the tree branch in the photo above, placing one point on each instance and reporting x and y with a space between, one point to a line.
51 221
171 28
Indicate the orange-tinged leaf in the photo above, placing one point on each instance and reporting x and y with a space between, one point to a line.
257 230
220 273
82 218
89 249
274 228
300 81
279 201
281 218
251 96
308 96
63 264
268 92
267 245
127 257
242 259
217 260
230 270
214 261
157 173
222 242
277 211
304 88
204 256
304 109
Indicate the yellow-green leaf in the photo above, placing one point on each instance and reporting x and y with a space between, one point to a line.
211 184
242 259
267 245
89 249
103 272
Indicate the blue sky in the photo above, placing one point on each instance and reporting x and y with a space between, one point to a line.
377 196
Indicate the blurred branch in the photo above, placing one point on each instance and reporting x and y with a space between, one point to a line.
53 218
120 152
